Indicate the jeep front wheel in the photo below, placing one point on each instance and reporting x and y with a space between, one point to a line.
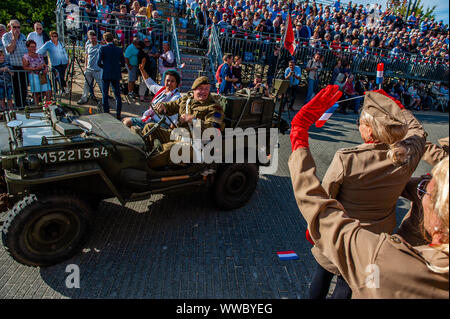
46 230
235 185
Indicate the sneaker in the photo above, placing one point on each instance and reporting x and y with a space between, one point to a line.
82 101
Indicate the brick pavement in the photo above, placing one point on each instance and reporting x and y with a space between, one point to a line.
167 247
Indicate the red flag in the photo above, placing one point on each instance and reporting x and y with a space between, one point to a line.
289 37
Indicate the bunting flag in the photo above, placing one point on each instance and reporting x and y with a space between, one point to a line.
325 117
289 40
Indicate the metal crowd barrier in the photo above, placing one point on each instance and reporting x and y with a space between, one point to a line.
73 28
254 47
19 88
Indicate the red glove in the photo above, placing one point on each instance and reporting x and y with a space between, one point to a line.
308 237
381 91
310 113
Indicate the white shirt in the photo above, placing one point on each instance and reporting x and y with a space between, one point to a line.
39 39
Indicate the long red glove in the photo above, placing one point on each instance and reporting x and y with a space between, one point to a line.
381 91
310 113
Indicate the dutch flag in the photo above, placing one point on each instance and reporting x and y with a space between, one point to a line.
287 255
324 118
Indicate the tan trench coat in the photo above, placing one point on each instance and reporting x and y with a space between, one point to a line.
367 183
374 265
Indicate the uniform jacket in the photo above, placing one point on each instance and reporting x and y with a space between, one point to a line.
111 60
367 183
374 265
435 153
209 112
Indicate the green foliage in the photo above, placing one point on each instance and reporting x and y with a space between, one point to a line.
401 7
28 12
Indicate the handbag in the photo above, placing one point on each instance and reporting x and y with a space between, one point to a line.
42 78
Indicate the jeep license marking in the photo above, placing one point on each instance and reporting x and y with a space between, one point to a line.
73 155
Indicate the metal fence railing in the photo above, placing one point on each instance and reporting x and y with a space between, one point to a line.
74 25
255 47
20 88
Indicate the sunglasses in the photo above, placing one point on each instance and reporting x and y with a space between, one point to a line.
422 186
16 27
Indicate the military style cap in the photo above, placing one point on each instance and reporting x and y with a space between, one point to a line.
384 109
199 81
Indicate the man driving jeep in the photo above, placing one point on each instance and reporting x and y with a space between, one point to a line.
197 104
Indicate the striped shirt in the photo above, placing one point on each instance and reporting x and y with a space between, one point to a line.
15 58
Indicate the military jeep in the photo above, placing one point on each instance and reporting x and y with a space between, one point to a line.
59 165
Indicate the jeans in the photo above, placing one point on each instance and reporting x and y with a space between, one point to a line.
88 89
116 90
20 85
61 74
311 87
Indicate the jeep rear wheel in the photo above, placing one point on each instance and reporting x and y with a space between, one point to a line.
235 185
46 231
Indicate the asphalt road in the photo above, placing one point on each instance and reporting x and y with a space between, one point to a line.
183 247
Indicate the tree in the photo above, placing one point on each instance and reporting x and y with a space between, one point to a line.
28 12
400 7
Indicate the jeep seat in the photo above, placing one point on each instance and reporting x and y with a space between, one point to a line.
104 124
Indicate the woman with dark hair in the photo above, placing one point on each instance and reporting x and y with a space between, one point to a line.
58 57
37 76
167 93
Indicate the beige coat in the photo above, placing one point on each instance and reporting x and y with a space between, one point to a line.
374 265
435 153
367 183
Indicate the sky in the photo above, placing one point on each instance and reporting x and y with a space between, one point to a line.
441 11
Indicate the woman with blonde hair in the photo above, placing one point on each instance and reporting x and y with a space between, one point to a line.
369 178
375 265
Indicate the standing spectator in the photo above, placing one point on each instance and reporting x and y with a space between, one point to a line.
15 47
236 69
131 60
166 60
293 74
271 61
2 32
38 35
111 60
313 67
58 58
5 83
226 75
92 71
349 91
145 63
35 64
336 70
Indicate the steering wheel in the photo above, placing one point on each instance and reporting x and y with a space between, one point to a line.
155 127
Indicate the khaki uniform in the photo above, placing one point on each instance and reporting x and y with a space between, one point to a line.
367 183
374 265
411 228
434 153
209 112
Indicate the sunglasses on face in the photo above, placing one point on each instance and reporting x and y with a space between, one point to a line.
422 187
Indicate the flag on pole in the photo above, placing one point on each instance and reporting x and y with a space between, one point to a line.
289 40
325 117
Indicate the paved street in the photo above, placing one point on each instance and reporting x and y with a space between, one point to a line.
167 247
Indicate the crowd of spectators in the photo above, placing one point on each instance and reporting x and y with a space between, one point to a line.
336 26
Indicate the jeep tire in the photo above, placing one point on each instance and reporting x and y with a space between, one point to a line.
46 230
235 185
